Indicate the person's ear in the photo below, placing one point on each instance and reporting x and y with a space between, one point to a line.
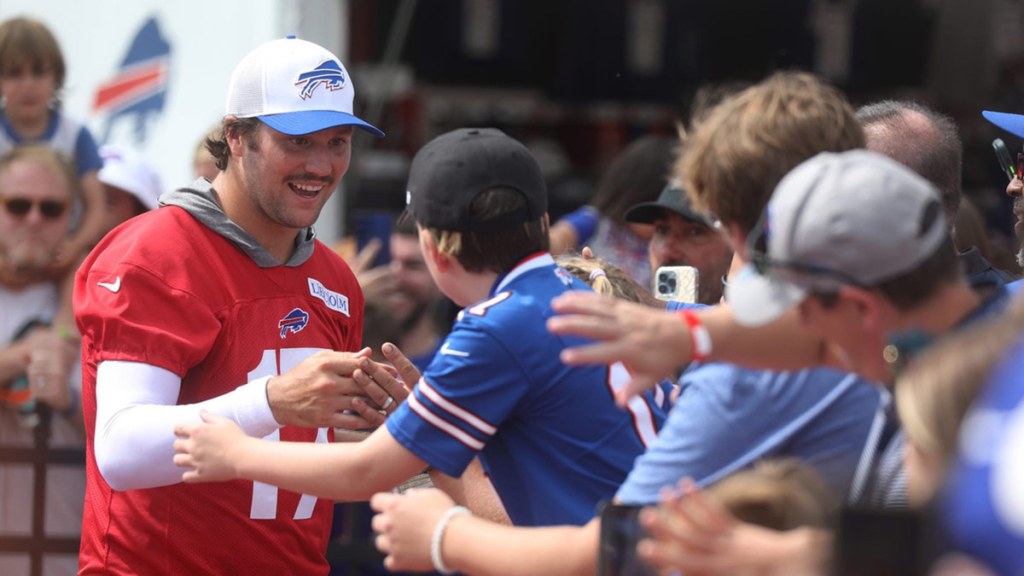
869 306
233 138
736 238
441 261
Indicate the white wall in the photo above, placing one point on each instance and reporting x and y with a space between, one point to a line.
207 38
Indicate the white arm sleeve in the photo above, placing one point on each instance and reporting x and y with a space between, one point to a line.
136 412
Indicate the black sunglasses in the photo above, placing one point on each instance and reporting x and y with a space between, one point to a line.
20 207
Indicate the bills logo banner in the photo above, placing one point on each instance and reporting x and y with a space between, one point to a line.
138 90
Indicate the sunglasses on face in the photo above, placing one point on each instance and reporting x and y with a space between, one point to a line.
20 207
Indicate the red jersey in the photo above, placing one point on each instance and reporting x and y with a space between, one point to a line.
166 290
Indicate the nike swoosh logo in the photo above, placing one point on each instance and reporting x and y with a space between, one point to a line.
447 350
112 286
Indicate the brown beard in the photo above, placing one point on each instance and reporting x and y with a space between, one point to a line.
29 257
414 317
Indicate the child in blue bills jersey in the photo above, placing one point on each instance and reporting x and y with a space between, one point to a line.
549 435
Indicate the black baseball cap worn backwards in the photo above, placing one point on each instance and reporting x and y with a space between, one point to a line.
452 169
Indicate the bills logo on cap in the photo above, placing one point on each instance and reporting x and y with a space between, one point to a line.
329 74
294 322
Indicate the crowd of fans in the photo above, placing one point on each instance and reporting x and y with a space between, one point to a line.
511 395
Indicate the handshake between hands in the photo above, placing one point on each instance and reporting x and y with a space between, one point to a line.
347 391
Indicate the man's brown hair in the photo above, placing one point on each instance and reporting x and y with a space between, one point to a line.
216 141
731 163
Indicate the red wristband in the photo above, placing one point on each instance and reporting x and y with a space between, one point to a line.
699 335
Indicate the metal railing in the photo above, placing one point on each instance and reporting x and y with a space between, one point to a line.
40 456
349 553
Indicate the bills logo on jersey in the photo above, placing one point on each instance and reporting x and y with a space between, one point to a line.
329 74
294 322
564 276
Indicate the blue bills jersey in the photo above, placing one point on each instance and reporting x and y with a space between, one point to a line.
549 435
983 501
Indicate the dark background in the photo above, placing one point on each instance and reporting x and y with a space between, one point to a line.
560 71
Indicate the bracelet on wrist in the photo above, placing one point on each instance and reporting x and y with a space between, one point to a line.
438 536
699 336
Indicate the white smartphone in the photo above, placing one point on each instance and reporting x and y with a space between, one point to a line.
678 283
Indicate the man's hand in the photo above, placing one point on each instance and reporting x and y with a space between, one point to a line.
314 393
385 387
650 343
210 450
50 359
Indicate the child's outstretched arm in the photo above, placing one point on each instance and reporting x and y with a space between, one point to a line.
91 227
217 449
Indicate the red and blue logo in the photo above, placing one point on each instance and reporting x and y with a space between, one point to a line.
329 74
138 91
294 322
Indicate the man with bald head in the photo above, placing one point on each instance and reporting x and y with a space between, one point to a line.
928 142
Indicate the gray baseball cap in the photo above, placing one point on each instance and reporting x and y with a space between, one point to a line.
852 218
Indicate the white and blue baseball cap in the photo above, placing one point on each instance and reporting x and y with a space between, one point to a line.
1012 123
295 87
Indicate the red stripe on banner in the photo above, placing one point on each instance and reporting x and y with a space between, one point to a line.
128 85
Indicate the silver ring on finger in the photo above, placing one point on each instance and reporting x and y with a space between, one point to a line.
388 403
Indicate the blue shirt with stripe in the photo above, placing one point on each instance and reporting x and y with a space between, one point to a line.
549 435
727 417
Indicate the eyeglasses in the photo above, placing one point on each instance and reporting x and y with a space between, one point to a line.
20 207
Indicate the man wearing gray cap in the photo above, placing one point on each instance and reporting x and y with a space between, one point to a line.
860 244
683 237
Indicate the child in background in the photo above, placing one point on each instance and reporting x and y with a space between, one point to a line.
32 73
606 278
781 494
